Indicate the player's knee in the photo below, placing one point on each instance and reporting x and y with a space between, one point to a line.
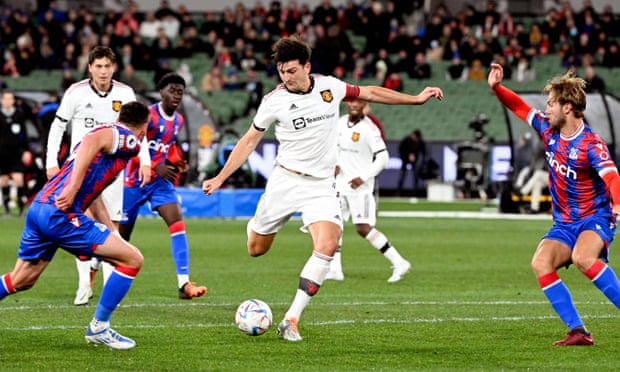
256 250
540 267
582 261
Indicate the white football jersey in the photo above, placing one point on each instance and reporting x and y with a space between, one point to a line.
357 145
86 109
306 124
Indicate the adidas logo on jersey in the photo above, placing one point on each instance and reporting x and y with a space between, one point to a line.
293 107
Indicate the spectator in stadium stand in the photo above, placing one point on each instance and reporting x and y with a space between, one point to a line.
149 26
325 14
209 23
457 70
594 83
376 26
421 69
611 58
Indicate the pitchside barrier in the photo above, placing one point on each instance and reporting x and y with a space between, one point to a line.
227 203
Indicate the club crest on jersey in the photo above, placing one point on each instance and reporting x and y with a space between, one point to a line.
116 106
75 221
574 154
355 136
327 95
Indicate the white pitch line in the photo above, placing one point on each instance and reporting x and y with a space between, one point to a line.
338 322
315 304
464 215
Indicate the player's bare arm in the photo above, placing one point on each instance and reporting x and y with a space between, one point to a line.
238 156
91 145
392 97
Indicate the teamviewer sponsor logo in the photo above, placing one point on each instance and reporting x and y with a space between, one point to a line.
299 123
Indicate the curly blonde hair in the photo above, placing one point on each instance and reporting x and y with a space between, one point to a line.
569 88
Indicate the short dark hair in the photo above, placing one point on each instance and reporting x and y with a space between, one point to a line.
291 48
133 114
101 51
170 78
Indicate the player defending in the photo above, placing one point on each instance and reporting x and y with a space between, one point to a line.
89 104
362 155
582 175
163 127
57 218
305 110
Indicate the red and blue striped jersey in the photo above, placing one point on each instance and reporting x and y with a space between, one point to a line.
102 171
161 133
576 167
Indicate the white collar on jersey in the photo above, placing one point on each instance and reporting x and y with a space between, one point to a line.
306 92
351 124
100 94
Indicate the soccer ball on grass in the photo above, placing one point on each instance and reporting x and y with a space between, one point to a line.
253 317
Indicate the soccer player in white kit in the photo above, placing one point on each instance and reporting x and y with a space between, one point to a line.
305 110
89 104
362 155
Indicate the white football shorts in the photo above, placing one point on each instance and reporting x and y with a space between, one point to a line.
287 193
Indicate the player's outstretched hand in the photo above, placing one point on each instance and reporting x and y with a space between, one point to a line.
430 92
496 75
209 186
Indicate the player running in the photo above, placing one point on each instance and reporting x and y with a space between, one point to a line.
582 176
88 104
164 125
57 218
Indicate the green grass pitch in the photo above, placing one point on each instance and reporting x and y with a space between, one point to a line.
470 303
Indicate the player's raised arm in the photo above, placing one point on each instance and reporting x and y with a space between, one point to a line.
392 97
506 96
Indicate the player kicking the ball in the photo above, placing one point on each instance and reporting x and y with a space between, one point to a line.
305 110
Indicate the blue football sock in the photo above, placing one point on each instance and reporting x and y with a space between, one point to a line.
562 302
114 290
179 247
607 282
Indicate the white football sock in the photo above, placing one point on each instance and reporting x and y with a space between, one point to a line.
83 269
315 270
379 241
